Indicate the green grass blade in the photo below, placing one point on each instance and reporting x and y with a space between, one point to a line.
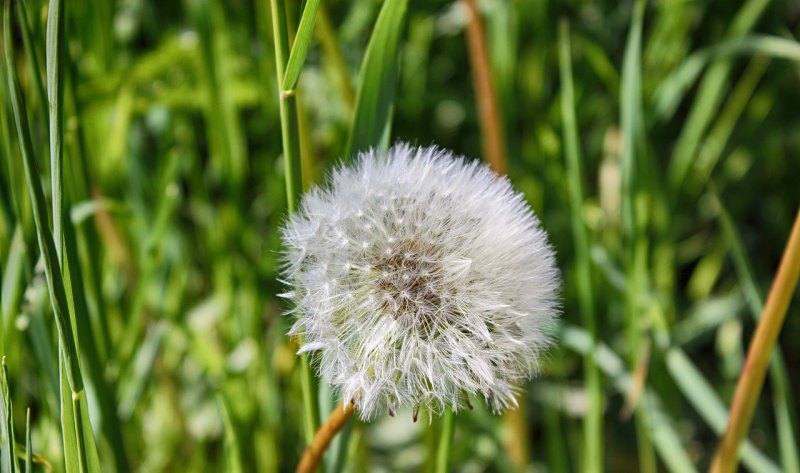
28 443
593 423
47 246
31 50
377 81
12 287
80 450
673 88
300 47
55 99
705 401
709 94
632 125
232 449
665 438
8 460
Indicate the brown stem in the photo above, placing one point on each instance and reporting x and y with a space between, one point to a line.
491 121
761 347
328 430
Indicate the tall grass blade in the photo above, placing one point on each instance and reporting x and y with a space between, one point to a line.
47 245
80 449
593 423
28 443
377 81
8 458
232 449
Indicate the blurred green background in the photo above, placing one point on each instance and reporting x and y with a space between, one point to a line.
687 119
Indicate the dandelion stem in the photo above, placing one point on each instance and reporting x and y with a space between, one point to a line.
749 386
328 430
491 122
445 441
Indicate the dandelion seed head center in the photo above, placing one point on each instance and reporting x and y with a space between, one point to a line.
410 278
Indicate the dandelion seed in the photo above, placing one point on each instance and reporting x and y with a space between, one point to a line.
441 283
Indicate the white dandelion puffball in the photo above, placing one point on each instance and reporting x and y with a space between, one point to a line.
420 278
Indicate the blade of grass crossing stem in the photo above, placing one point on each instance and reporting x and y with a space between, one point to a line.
377 80
761 347
232 456
300 46
47 246
631 120
665 437
593 422
699 392
783 399
8 460
294 185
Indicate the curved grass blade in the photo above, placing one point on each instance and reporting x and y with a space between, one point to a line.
300 47
706 104
673 88
377 81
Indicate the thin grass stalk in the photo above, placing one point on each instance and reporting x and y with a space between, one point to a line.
749 386
294 186
55 282
76 408
593 422
445 441
631 118
316 448
28 443
55 107
491 121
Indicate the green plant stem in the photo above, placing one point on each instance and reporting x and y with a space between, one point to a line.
749 386
593 422
294 186
445 441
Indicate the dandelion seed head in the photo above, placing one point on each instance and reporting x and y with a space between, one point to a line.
420 278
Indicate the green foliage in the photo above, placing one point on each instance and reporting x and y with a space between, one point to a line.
147 161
